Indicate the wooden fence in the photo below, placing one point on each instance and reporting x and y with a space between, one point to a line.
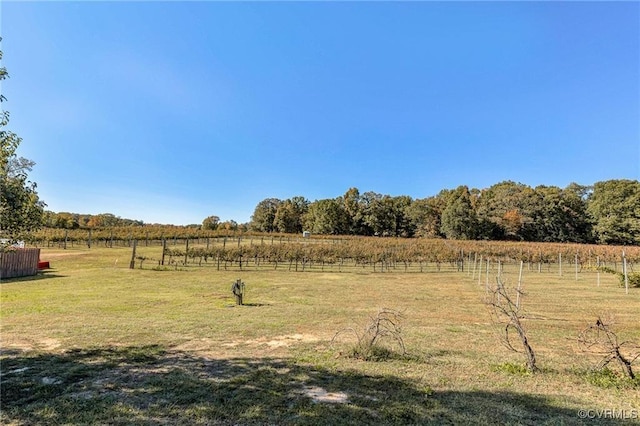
19 263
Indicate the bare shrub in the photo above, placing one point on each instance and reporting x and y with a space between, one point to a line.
375 340
507 314
600 339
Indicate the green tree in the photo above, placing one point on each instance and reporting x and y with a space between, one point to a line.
560 214
385 215
21 210
458 218
288 217
264 215
326 217
211 223
505 211
424 216
614 207
354 206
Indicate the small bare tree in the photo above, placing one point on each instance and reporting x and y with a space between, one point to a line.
384 326
508 315
599 339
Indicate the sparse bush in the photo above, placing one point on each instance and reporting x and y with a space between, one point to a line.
632 277
600 339
608 379
375 340
511 368
507 313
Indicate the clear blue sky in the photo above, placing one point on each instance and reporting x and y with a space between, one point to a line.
169 112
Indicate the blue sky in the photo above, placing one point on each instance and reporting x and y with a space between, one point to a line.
169 112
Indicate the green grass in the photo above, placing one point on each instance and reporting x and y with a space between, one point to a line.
93 342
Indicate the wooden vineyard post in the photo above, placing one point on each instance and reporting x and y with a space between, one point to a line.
624 271
475 260
132 264
164 249
576 266
238 291
540 262
487 276
186 252
519 285
89 239
598 269
560 263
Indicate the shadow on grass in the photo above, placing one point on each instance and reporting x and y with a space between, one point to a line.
149 385
41 275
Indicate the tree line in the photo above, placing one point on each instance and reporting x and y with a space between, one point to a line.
607 212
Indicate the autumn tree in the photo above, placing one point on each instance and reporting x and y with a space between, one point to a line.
425 217
211 223
505 211
228 225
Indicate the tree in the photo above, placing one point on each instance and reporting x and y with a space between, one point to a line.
288 217
458 218
560 214
385 215
326 217
424 216
505 211
211 223
228 225
614 207
264 215
353 205
21 211
403 226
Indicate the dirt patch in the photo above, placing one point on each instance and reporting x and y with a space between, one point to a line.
215 349
283 341
49 344
46 344
318 394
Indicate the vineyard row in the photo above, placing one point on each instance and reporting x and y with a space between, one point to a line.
359 249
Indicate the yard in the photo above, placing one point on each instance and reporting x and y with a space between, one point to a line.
93 342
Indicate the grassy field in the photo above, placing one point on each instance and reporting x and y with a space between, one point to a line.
93 342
